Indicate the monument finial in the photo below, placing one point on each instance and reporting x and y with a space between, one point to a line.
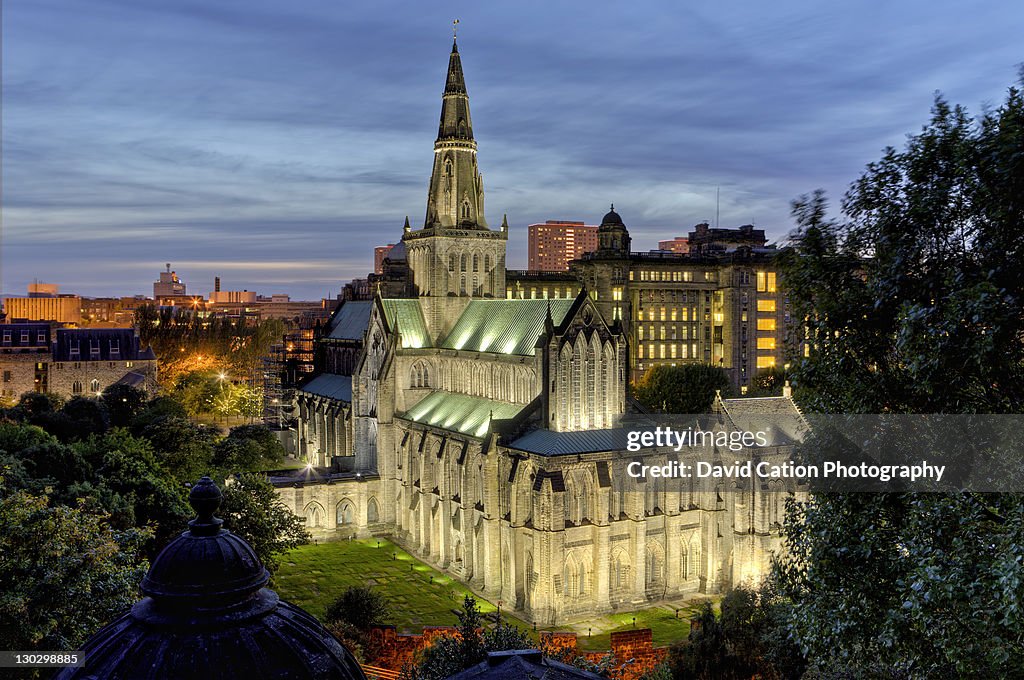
455 28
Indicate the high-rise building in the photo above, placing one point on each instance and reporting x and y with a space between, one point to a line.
65 309
379 253
555 243
169 284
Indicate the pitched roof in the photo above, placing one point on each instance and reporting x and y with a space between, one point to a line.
504 326
460 413
405 316
351 320
522 664
550 443
331 386
778 416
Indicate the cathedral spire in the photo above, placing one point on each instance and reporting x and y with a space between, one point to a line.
456 196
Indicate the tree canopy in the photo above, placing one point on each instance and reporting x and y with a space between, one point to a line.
912 301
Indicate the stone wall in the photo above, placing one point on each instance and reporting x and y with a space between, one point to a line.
62 376
18 373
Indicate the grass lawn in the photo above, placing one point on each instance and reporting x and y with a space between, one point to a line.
595 634
312 576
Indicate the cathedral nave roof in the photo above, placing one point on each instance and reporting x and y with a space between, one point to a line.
331 386
461 413
504 326
351 320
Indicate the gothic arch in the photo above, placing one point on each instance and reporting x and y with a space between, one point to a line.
621 571
654 572
345 513
315 515
372 511
574 577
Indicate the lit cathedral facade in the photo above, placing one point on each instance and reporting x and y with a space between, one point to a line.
479 431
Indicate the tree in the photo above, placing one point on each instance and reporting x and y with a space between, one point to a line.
689 388
912 305
469 646
184 448
248 448
123 403
251 508
359 606
64 572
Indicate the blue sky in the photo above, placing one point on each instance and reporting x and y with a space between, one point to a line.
275 143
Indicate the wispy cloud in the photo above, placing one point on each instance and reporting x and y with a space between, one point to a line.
278 142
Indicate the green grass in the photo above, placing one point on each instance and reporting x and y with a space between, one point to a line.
595 633
312 576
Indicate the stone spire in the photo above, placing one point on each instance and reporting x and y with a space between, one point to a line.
456 196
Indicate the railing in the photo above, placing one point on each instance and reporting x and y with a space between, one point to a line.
376 673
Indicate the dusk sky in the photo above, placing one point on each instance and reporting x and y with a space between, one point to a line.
275 143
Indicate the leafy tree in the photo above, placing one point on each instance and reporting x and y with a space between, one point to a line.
359 606
252 509
123 403
63 572
768 382
689 388
912 305
468 647
184 448
248 448
156 409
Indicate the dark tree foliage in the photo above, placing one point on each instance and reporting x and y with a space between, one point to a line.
63 572
123 403
248 448
913 304
768 382
689 388
359 606
184 448
468 647
750 639
253 510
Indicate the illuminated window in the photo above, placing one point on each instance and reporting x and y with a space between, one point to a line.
765 362
766 324
662 350
663 332
675 314
766 343
766 305
687 276
766 282
675 351
709 276
640 351
664 317
641 333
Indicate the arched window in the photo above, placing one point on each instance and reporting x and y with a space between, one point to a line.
462 284
487 263
372 511
314 515
346 513
425 377
465 208
655 565
451 262
463 262
76 388
574 578
476 262
94 386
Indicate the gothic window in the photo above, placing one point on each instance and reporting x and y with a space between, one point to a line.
655 565
94 386
487 263
76 388
425 377
476 286
574 577
462 284
346 514
465 209
451 262
314 514
372 512
591 389
620 570
463 262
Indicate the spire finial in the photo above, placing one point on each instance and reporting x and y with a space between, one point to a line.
613 207
455 28
205 498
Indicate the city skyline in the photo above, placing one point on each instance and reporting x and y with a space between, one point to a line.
275 146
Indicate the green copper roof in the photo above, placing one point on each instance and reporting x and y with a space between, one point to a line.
468 415
406 316
504 326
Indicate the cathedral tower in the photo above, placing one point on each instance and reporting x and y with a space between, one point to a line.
455 257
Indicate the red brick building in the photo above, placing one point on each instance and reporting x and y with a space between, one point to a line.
555 243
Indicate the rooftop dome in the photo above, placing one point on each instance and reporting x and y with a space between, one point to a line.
612 219
207 614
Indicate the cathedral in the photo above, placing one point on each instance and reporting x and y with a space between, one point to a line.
484 433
